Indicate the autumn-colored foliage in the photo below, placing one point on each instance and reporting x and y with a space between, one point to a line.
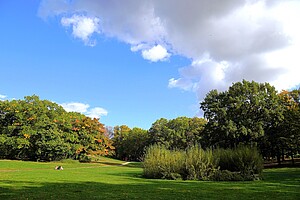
34 129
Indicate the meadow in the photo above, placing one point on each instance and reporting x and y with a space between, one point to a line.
111 179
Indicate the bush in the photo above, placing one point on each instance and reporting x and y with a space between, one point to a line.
193 164
83 158
225 175
160 162
199 164
244 160
242 163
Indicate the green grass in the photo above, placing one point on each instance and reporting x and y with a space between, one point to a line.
110 180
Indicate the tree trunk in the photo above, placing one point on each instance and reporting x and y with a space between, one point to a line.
278 158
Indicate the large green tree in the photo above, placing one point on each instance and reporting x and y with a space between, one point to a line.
34 129
178 133
243 114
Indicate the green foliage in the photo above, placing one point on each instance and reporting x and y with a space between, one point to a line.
243 114
244 160
178 133
285 140
84 158
242 163
159 162
199 164
225 175
130 143
34 129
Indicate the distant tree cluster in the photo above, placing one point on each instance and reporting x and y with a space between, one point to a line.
178 133
248 113
130 143
34 129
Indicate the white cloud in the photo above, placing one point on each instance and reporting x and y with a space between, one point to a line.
97 112
182 83
83 27
85 109
137 47
75 107
156 53
201 76
2 96
227 41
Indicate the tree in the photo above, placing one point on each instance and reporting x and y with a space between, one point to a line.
26 124
243 114
120 132
288 139
179 133
34 129
130 143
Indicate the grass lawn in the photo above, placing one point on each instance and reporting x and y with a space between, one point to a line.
108 179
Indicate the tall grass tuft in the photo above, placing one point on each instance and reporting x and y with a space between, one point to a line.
242 163
199 164
160 162
244 160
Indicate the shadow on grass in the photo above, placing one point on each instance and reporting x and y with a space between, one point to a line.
133 187
95 190
283 175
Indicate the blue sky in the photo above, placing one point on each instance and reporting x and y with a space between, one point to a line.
137 62
40 57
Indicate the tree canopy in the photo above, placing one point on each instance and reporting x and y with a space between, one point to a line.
243 114
179 133
34 129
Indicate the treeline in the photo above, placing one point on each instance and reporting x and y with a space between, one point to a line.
248 113
178 133
34 129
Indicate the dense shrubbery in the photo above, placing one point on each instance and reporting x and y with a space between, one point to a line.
243 160
238 164
198 164
159 162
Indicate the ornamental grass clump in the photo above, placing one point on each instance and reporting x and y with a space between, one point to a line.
243 160
199 164
160 162
239 164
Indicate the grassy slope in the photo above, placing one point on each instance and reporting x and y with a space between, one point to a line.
29 180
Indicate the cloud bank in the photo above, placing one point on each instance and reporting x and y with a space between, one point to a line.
227 41
85 109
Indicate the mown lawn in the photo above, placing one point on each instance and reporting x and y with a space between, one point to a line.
110 180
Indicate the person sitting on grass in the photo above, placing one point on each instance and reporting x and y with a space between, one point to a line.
59 168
